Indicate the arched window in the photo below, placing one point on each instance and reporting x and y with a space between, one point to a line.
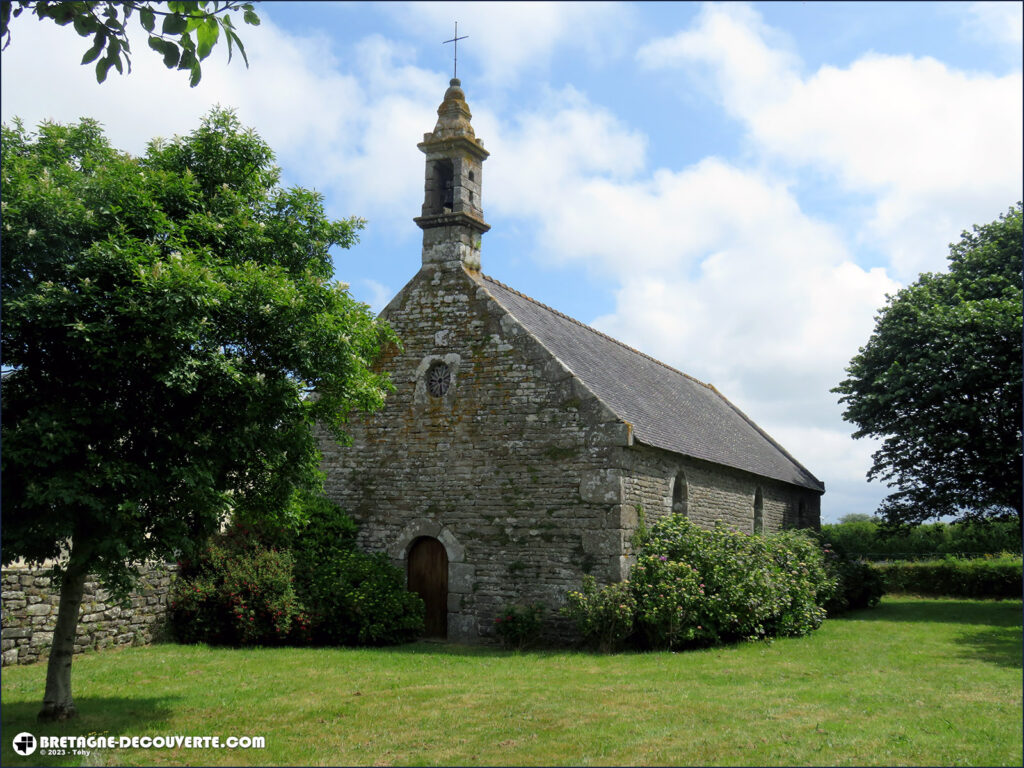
680 495
758 512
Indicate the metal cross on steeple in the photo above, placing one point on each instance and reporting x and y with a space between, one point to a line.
455 71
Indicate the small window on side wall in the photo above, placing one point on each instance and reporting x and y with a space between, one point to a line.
758 512
680 495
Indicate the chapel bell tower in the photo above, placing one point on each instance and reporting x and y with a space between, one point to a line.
452 219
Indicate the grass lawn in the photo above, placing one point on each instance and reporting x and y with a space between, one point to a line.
912 682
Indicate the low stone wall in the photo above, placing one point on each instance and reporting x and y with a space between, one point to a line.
30 602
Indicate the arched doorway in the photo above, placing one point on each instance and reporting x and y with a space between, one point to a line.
428 577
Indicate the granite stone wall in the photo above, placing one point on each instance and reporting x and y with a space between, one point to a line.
507 469
714 492
30 602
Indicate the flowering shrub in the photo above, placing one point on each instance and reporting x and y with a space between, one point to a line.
755 586
668 602
693 587
236 595
313 586
356 598
518 626
604 617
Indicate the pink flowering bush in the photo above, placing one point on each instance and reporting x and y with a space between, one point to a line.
604 617
692 587
756 586
237 592
305 584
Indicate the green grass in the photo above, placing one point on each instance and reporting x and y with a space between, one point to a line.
912 682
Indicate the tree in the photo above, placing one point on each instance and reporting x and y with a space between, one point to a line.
940 382
105 23
856 517
172 333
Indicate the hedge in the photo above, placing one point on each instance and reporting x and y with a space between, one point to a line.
990 577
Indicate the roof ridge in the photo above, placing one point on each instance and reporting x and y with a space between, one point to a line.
554 311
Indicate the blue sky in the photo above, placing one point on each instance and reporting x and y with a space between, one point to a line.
732 188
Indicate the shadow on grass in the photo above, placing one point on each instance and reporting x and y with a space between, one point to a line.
998 645
991 613
97 716
443 648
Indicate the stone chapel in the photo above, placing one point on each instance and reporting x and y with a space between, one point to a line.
520 446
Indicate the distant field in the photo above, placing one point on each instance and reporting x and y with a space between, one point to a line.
912 682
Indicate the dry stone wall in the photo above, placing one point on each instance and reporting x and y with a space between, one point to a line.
30 603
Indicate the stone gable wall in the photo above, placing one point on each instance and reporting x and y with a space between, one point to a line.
509 469
30 611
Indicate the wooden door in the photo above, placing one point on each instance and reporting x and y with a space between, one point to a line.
428 577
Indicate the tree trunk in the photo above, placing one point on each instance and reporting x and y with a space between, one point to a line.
57 701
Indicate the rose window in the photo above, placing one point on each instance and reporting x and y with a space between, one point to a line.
439 379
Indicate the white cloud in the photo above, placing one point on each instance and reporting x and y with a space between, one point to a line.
733 40
756 297
1001 22
938 149
510 39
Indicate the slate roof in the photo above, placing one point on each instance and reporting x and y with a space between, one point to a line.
666 408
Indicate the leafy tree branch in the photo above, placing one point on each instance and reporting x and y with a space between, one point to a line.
940 382
187 31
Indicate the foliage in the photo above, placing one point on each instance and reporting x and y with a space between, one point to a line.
356 598
858 585
166 320
604 617
939 381
105 23
754 586
869 538
693 587
518 626
353 598
338 595
989 577
237 592
669 597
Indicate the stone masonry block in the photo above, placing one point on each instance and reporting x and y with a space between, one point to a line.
611 433
456 552
460 577
601 486
602 543
622 516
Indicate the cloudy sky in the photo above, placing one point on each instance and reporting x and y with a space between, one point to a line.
731 188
